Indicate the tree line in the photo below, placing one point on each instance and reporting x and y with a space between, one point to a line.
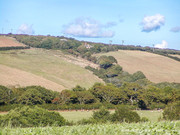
131 94
78 48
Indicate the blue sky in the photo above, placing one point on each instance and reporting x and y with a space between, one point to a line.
137 22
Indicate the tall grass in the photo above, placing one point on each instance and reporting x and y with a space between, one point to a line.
164 128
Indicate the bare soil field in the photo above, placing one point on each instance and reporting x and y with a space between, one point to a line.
9 42
156 68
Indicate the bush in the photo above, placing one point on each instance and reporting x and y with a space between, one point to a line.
144 119
172 112
31 117
103 115
124 114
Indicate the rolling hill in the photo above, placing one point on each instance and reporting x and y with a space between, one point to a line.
9 42
156 68
49 68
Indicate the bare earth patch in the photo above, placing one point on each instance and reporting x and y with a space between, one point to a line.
9 42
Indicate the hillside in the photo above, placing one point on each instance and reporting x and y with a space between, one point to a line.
156 68
49 68
9 42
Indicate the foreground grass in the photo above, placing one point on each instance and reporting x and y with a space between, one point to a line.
165 128
152 115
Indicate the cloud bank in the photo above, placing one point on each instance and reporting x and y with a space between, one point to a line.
152 23
87 27
25 29
175 29
163 45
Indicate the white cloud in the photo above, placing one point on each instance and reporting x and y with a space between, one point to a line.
87 27
152 23
25 29
175 29
163 45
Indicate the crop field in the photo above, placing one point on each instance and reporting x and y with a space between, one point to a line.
42 67
9 42
155 128
156 68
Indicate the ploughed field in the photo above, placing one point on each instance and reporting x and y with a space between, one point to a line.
156 68
9 42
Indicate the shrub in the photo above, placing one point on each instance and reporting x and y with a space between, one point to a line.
32 117
102 115
172 112
124 114
144 119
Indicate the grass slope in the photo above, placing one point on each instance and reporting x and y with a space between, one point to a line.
42 67
156 68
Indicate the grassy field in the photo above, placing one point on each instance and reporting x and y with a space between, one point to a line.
152 115
75 116
160 128
156 68
42 67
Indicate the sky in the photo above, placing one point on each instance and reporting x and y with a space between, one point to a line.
129 22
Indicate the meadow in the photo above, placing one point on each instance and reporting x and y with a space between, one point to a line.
152 115
74 116
155 67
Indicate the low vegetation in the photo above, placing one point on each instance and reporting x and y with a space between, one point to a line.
164 128
31 117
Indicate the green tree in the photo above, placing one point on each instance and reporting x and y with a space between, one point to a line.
6 95
105 62
172 112
85 97
103 115
123 114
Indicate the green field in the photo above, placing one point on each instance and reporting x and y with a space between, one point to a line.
75 116
47 68
155 128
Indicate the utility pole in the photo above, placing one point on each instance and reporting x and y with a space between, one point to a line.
11 31
122 42
153 47
110 42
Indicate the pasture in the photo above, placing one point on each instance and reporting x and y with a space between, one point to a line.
47 68
73 115
152 115
156 68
